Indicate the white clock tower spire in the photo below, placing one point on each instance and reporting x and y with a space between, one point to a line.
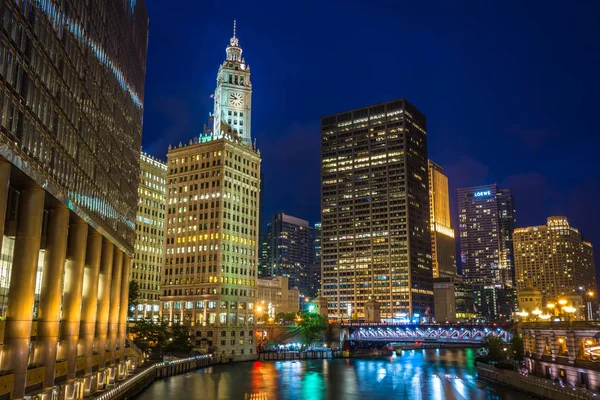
233 95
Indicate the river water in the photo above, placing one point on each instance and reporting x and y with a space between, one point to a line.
417 374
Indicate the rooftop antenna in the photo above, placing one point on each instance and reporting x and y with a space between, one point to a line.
234 28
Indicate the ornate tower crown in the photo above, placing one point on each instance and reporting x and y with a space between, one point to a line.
234 51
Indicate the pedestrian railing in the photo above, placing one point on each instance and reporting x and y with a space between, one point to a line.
150 372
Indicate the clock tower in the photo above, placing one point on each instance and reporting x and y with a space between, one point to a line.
233 95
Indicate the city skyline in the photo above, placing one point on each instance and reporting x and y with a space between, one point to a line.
461 130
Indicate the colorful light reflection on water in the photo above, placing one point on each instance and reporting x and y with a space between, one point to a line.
418 374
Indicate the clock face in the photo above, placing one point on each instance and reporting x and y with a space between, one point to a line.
236 99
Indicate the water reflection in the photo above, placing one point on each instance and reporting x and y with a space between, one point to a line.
431 374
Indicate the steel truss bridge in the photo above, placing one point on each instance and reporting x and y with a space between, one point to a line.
433 333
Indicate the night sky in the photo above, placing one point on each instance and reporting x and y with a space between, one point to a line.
509 90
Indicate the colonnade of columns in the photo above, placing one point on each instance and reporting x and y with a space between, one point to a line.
82 302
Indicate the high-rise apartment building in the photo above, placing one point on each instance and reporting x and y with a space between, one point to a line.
487 220
71 90
149 229
443 247
290 247
211 232
376 240
554 259
315 270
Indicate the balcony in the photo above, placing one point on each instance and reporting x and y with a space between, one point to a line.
35 378
7 382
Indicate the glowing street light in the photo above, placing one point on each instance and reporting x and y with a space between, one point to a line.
562 302
537 312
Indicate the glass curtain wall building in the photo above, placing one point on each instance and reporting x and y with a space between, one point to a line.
290 243
376 239
71 89
487 220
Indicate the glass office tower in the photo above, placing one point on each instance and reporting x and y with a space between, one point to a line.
376 239
71 90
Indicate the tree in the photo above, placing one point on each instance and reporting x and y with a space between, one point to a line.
134 295
289 317
313 325
179 338
516 347
495 347
148 335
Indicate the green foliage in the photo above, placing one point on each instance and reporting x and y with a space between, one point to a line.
286 317
313 325
516 347
495 348
180 339
149 335
134 296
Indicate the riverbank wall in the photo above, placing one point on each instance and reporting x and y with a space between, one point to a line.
297 355
533 385
137 382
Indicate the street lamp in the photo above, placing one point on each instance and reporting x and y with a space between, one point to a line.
569 310
537 312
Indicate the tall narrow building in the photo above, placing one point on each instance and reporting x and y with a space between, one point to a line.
554 259
211 233
376 240
71 91
315 271
149 229
487 220
290 243
443 247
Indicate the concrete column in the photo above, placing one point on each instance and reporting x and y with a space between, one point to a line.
89 304
104 282
115 300
46 340
572 348
540 345
123 311
71 307
21 294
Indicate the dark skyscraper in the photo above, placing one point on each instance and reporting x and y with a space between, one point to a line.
71 91
376 241
486 222
290 247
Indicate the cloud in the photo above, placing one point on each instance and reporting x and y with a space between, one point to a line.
533 138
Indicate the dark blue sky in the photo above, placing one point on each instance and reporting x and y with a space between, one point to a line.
509 89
